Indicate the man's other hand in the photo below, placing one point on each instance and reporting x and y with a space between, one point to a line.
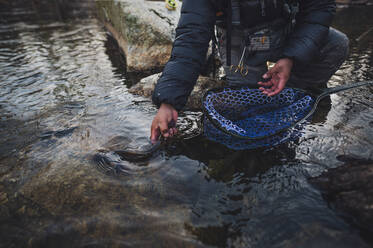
164 122
278 75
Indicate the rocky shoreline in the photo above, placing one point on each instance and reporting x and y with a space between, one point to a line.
144 30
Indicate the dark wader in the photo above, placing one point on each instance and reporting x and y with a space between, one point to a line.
307 76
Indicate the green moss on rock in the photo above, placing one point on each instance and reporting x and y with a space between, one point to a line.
129 25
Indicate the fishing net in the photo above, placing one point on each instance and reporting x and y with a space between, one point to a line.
245 118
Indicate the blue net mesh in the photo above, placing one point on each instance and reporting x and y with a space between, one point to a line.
245 118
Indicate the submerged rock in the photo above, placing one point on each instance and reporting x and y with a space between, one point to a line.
3 198
146 87
349 189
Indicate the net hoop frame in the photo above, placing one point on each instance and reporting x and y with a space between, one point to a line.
317 98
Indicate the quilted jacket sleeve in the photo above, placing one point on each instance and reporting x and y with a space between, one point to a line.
193 34
313 21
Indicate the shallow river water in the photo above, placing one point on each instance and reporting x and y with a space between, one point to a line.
63 97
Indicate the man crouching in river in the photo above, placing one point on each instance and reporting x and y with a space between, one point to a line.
294 34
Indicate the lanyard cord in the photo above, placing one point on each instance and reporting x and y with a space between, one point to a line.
229 32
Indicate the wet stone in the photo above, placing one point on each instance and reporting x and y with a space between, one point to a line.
146 87
22 210
3 198
349 189
13 180
4 212
143 30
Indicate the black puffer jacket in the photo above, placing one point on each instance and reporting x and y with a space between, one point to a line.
195 29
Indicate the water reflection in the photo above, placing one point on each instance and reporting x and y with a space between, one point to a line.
63 101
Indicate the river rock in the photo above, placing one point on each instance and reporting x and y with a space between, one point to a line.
3 198
94 206
144 30
349 189
146 87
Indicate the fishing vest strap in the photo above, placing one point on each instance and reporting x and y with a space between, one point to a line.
232 18
229 33
291 9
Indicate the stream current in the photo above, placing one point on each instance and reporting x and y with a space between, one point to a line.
63 98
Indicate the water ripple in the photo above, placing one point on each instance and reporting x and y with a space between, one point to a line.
66 114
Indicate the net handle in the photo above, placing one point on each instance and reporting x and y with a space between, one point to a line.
337 89
329 91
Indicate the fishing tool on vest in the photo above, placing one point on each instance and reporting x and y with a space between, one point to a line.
245 118
240 67
170 4
256 41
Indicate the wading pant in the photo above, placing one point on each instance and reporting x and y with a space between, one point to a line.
310 76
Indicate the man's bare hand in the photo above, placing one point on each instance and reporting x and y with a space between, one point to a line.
164 122
279 74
